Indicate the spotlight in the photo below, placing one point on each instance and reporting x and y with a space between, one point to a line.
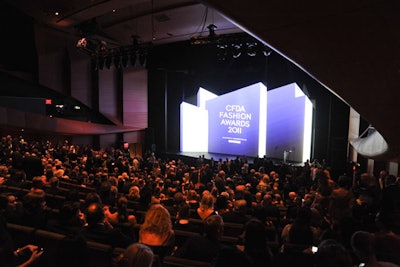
95 63
266 51
117 60
124 57
252 49
236 50
124 60
133 58
108 61
100 62
222 53
142 58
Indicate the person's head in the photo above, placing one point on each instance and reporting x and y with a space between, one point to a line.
54 182
92 197
213 226
332 254
122 203
34 201
221 202
69 212
157 220
390 180
363 245
178 198
137 255
11 201
255 234
183 211
37 182
134 192
207 201
345 181
94 214
267 200
240 206
303 215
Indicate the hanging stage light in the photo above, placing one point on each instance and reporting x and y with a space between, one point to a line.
252 49
266 51
124 57
100 60
222 52
142 58
117 60
108 60
236 50
133 58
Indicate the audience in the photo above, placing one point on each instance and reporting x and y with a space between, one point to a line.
305 203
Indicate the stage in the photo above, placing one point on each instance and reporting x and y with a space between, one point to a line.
194 156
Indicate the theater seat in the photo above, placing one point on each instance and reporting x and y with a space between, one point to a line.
100 255
22 235
172 261
50 242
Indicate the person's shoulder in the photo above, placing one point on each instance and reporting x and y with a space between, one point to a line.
386 264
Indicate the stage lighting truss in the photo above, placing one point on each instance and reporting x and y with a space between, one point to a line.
235 46
118 57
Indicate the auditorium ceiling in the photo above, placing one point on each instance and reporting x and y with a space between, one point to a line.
351 47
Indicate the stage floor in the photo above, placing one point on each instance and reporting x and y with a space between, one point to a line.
217 156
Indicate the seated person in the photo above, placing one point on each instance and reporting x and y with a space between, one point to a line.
156 231
9 255
332 254
99 230
35 211
206 207
363 245
136 255
255 243
121 215
204 248
182 221
70 220
238 214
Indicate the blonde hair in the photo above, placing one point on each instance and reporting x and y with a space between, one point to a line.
207 201
157 220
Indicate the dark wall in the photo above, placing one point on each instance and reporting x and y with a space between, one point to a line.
18 51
